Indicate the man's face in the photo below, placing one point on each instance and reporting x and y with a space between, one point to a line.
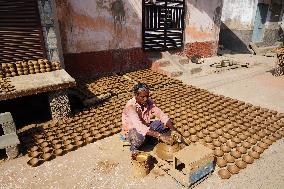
142 97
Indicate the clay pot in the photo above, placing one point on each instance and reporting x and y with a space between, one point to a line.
246 144
254 154
252 141
229 158
263 145
33 162
86 135
225 148
208 139
236 140
44 144
277 136
258 149
214 135
222 139
46 156
261 134
98 137
193 138
241 164
58 152
66 142
192 130
69 147
79 143
34 154
216 143
46 149
78 138
248 159
236 154
55 141
218 152
34 148
231 144
233 169
241 149
186 134
267 141
232 132
210 145
57 146
89 139
40 140
165 151
221 162
206 131
256 137
242 136
219 132
200 135
227 136
224 173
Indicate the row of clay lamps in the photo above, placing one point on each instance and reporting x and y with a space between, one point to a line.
28 67
85 127
5 86
115 85
237 132
153 79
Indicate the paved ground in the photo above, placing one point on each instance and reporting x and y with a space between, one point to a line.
106 164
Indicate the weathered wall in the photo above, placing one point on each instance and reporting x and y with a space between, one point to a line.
104 36
238 17
202 27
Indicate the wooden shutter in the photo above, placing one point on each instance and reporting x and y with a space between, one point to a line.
20 31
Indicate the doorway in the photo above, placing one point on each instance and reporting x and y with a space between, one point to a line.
163 24
259 23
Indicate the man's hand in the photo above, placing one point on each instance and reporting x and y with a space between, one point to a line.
166 139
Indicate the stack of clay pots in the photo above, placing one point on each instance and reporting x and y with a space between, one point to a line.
5 86
8 70
85 127
28 67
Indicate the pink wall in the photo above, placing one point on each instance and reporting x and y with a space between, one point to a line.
88 25
203 20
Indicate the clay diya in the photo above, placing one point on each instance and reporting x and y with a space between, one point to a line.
58 152
254 154
221 162
33 162
258 149
263 145
216 143
248 159
229 158
241 149
241 164
233 169
236 154
231 144
246 144
46 156
34 154
225 148
224 173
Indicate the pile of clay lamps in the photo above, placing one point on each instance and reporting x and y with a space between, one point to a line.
153 79
85 127
28 67
238 132
5 86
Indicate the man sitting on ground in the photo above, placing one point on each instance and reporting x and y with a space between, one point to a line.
137 122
